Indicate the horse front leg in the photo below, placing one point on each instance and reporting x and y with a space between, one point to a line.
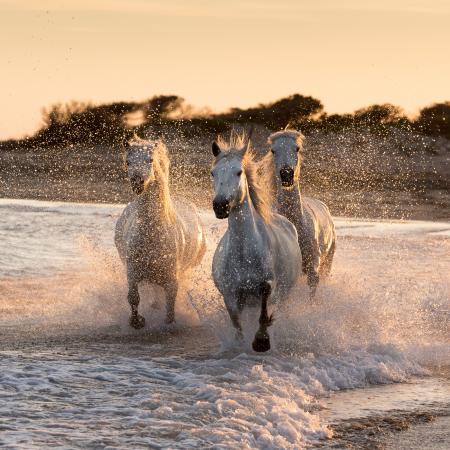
261 343
311 268
136 320
171 296
310 264
234 309
313 281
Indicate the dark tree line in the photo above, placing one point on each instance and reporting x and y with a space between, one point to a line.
109 124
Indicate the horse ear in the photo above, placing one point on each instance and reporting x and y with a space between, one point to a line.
215 149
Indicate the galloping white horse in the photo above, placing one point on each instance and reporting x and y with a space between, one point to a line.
157 239
258 259
311 217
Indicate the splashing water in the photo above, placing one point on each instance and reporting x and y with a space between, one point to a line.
75 374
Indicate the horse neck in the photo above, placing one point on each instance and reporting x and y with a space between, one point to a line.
152 203
289 200
243 218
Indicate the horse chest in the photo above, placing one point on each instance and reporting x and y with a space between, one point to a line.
245 267
152 251
292 212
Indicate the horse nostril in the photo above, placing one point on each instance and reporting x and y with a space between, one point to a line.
221 208
217 204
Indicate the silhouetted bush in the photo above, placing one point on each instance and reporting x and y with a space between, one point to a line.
435 120
108 125
289 111
76 123
375 115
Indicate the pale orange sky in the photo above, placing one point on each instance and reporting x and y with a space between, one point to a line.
348 53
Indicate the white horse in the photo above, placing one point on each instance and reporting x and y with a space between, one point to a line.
157 239
311 217
258 259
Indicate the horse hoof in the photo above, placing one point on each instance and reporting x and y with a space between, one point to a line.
261 344
137 321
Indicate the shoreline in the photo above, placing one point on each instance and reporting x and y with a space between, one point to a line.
119 205
361 205
387 429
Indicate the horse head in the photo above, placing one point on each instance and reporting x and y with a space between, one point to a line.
139 164
286 149
229 180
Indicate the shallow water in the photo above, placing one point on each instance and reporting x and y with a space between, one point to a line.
74 374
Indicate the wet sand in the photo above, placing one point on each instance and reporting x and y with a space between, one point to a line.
393 417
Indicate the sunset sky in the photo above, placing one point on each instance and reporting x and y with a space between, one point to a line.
347 53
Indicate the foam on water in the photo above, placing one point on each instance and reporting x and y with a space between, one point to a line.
383 315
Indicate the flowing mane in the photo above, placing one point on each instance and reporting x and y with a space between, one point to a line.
259 180
161 166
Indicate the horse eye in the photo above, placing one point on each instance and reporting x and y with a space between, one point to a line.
297 149
212 174
239 173
272 150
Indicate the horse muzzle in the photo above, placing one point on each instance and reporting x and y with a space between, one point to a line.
221 208
287 177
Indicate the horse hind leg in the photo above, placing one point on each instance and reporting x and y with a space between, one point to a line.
311 270
328 262
261 343
313 281
310 266
171 296
136 320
